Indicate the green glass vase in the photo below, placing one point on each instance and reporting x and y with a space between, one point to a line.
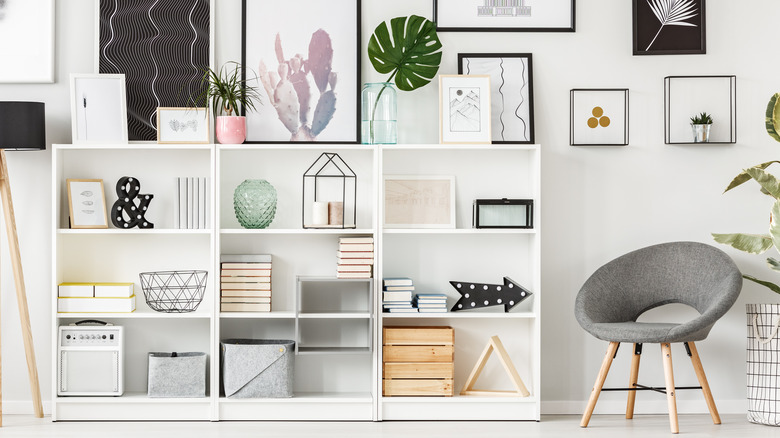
254 202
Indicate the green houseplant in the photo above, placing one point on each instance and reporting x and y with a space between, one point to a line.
760 243
701 125
227 92
411 56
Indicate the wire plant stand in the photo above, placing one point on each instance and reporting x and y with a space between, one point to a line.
173 291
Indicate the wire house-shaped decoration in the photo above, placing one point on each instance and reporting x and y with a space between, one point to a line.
329 193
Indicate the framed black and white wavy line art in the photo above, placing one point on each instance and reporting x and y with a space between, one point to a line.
307 59
669 27
511 92
162 47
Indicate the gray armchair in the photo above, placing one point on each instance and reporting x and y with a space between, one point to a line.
612 299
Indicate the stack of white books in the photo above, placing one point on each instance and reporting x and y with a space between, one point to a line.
431 303
397 293
355 257
95 298
246 283
191 205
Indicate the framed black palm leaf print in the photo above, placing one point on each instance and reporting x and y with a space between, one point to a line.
669 27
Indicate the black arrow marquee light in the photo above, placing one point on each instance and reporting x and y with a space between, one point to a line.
477 295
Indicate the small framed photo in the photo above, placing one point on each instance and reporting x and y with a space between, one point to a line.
599 117
419 201
182 125
504 16
464 109
87 203
511 92
665 27
98 111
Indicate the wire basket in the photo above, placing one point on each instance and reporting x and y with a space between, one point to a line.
173 291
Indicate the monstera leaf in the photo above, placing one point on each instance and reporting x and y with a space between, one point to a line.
751 243
412 55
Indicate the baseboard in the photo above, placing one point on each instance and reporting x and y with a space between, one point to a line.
23 407
613 407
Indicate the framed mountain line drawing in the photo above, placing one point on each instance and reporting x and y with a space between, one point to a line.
464 109
669 27
511 89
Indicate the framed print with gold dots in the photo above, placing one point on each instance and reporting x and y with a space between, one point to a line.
599 117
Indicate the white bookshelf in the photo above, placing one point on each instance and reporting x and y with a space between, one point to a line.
338 368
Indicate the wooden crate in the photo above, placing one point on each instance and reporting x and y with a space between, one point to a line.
419 336
418 370
418 361
423 387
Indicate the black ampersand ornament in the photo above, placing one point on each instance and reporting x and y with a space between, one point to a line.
126 213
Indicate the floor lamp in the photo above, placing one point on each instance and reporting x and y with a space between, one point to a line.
22 127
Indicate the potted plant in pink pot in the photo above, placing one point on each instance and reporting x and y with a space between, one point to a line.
227 92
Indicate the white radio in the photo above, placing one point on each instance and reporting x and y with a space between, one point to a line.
90 360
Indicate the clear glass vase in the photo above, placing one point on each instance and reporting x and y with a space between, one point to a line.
379 113
254 202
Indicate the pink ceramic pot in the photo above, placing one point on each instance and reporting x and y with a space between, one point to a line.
231 129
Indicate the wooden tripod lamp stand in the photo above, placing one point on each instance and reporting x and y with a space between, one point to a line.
22 127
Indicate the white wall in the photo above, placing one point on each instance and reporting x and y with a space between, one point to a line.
598 202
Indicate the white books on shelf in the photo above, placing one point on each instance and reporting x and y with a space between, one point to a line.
355 255
341 261
202 203
353 275
246 293
182 184
259 275
398 295
247 265
397 281
403 310
261 300
246 258
356 247
246 286
73 290
356 240
397 287
433 310
190 212
246 307
354 268
96 305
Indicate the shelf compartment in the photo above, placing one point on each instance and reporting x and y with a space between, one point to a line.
334 335
134 231
333 350
131 407
300 231
687 96
462 315
460 408
324 406
329 297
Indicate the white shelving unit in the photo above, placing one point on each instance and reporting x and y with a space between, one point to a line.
338 367
433 257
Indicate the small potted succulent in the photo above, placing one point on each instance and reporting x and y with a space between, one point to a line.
701 125
227 92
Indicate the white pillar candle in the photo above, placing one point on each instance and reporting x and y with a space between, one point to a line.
319 213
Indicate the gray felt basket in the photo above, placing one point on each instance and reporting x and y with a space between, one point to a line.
177 374
254 368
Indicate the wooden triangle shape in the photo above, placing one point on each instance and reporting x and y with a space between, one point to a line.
495 344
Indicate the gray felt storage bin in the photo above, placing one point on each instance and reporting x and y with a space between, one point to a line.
177 374
254 368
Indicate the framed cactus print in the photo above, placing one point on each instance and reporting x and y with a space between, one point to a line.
304 59
669 27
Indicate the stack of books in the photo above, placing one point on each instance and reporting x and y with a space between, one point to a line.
431 303
189 209
397 295
355 257
246 283
95 298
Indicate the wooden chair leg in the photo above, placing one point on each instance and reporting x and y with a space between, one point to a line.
705 387
670 394
594 395
632 380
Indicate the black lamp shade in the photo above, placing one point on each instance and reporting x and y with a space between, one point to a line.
22 126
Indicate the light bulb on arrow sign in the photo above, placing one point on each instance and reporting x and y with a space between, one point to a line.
476 295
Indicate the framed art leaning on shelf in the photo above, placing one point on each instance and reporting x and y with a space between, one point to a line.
87 203
419 201
464 109
306 57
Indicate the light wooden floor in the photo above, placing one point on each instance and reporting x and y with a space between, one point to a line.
601 426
